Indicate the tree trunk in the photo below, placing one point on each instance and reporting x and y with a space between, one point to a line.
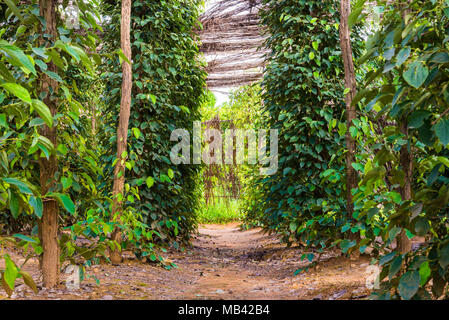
48 227
122 130
350 83
404 244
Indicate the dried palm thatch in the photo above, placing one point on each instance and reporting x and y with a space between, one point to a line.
231 42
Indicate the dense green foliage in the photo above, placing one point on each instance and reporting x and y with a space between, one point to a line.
25 53
408 83
402 81
167 94
303 99
166 97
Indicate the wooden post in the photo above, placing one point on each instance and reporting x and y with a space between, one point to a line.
122 130
48 227
351 84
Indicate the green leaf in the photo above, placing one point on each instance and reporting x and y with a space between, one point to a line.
10 273
46 143
293 226
20 30
17 90
386 258
422 226
409 234
440 57
444 256
22 186
150 182
342 129
24 238
3 121
424 273
183 108
36 122
28 280
44 150
67 93
41 53
14 204
394 232
43 111
6 73
346 245
409 284
354 16
426 134
366 56
17 57
395 266
165 178
37 205
402 56
170 173
374 174
122 56
136 132
416 119
442 131
70 50
65 201
62 149
416 74
66 182
353 131
14 9
54 76
388 55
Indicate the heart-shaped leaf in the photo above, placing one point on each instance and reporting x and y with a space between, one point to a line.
409 284
416 74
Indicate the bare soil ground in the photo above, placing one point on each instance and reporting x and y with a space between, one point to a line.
224 263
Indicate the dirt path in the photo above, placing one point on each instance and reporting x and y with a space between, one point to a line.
252 265
224 263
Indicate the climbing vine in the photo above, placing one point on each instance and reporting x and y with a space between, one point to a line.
168 92
303 99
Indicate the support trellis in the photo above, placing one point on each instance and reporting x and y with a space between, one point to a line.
232 42
225 174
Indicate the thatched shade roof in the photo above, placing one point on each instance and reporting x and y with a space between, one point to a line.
231 39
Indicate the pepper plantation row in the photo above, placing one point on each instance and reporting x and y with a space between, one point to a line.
362 137
61 98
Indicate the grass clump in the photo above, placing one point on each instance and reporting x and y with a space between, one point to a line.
220 212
